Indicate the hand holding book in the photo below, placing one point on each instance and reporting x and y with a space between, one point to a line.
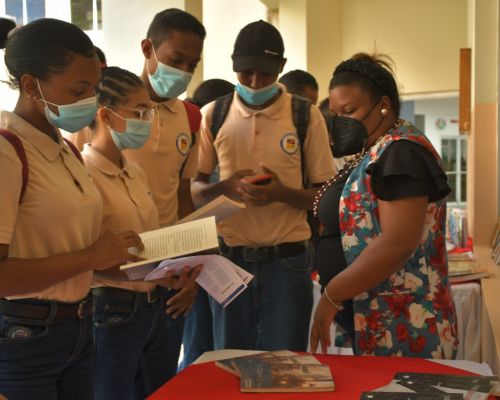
186 277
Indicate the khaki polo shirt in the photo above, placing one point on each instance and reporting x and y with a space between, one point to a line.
127 203
248 138
79 138
61 209
163 155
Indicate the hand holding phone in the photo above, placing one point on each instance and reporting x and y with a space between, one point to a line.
260 180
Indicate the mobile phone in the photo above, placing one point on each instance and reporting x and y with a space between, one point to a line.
261 180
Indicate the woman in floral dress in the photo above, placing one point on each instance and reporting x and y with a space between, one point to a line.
381 251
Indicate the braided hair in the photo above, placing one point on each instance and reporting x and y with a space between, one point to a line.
373 73
115 87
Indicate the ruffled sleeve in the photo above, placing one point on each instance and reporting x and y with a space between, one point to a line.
407 169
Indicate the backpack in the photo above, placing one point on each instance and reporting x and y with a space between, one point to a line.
300 116
21 153
194 119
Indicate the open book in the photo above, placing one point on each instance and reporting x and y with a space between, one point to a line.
191 238
220 208
189 244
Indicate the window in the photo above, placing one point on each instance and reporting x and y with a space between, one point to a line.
25 11
454 155
86 14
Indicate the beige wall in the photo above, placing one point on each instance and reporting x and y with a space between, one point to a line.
324 45
293 27
482 171
423 37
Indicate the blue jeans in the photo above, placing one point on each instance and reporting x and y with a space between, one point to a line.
273 313
198 336
174 331
131 342
46 360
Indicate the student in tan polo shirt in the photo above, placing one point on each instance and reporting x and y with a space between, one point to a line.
269 238
172 50
130 332
50 218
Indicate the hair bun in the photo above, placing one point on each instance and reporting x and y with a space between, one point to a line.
6 25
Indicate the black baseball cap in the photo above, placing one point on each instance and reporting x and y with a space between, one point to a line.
259 45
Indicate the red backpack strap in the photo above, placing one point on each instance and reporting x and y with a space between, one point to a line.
19 148
74 149
194 116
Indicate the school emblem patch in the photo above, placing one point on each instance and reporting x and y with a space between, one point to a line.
182 143
289 143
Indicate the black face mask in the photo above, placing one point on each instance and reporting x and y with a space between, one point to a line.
349 135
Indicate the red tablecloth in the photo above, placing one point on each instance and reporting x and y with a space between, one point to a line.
352 375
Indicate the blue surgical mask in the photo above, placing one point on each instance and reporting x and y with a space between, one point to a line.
136 133
72 117
168 82
257 97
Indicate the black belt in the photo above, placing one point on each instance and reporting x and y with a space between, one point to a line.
45 310
263 254
127 296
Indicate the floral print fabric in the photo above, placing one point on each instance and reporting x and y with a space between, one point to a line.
411 313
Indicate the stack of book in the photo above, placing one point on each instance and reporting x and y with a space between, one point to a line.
422 386
279 371
464 267
495 244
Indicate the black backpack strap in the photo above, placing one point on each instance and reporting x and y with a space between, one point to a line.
221 108
300 115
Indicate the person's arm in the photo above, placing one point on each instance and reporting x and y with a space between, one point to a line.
19 275
402 224
184 199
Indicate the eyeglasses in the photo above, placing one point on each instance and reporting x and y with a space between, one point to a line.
145 114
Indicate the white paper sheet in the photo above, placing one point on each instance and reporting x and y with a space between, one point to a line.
222 279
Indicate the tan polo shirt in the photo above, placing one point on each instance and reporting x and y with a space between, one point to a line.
248 138
61 209
163 155
79 138
127 203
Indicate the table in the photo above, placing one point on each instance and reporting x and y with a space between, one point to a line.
352 375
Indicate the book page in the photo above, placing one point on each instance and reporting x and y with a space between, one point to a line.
221 208
218 276
181 239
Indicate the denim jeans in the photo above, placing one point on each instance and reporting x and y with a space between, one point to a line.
273 313
131 342
198 336
174 331
46 360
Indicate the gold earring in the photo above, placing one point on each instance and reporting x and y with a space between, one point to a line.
383 111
